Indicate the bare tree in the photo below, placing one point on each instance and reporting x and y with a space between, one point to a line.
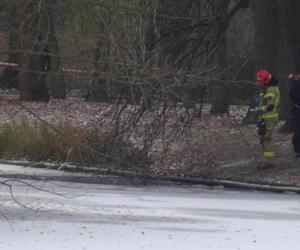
34 47
9 77
56 81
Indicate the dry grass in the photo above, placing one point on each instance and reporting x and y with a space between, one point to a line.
63 143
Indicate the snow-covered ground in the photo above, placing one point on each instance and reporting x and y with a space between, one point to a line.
94 217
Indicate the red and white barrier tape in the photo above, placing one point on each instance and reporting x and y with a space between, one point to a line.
74 70
15 65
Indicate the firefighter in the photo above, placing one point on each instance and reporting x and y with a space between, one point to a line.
268 114
295 111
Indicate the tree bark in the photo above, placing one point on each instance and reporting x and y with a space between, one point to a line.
266 35
290 25
56 81
220 95
41 54
32 78
9 78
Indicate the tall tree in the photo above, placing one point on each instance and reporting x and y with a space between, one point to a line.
193 36
32 44
290 40
33 61
267 29
225 11
289 17
9 76
56 81
220 93
121 49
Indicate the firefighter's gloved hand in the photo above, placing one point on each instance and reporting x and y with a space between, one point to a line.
257 111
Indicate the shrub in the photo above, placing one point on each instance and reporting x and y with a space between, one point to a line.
63 142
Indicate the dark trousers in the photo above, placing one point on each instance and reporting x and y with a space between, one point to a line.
296 133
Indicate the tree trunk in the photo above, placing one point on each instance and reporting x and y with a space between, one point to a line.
291 24
33 62
9 78
98 88
225 12
41 54
56 81
290 28
220 95
266 35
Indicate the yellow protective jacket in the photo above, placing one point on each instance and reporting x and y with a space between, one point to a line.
269 104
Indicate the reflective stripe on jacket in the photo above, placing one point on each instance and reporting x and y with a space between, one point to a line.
269 104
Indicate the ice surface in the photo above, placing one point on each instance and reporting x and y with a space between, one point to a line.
95 217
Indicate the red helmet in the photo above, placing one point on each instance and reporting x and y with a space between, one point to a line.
263 77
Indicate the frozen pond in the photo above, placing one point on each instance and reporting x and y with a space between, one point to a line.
108 217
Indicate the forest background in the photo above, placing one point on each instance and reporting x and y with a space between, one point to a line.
161 87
